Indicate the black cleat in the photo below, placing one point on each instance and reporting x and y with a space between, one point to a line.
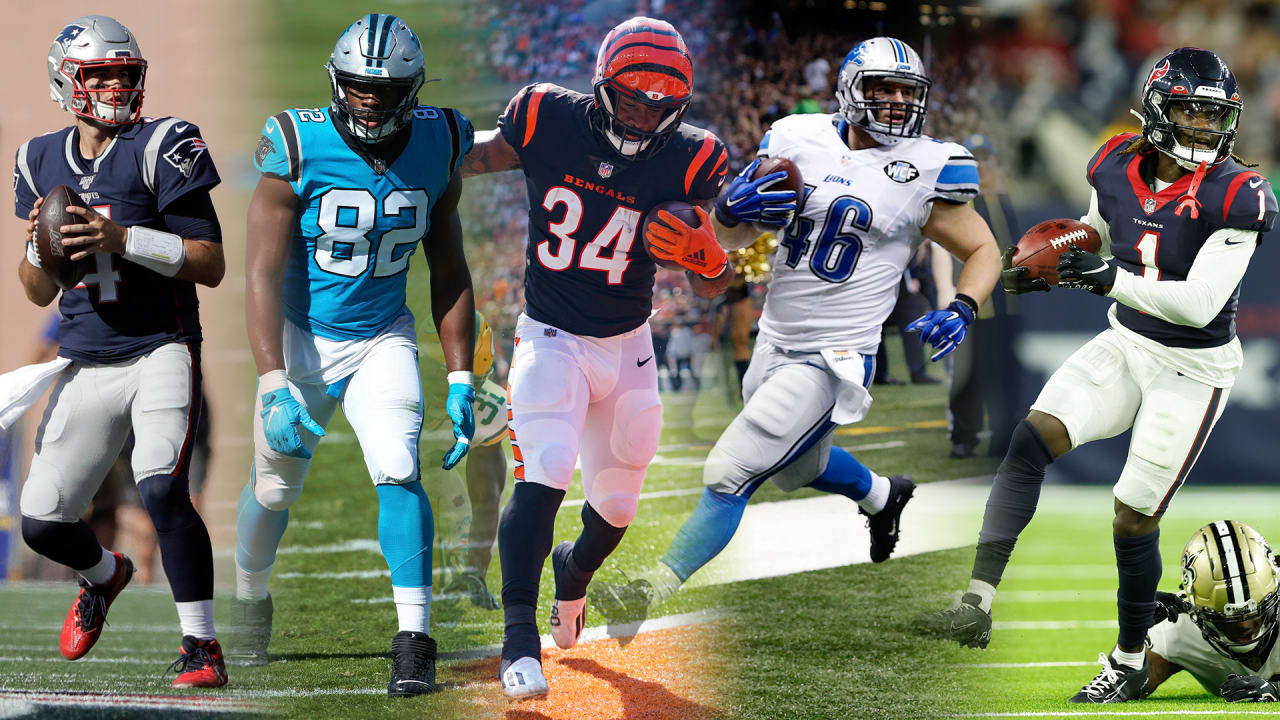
966 623
413 664
622 603
884 524
1116 683
250 632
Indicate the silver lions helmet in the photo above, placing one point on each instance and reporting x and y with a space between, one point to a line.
86 56
377 55
871 67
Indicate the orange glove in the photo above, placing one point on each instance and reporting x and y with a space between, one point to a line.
696 248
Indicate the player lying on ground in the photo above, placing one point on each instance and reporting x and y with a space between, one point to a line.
1182 217
1221 626
347 194
875 187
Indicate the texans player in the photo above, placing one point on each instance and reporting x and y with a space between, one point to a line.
582 375
347 194
876 187
131 331
1181 217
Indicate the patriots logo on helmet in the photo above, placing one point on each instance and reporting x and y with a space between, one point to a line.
184 154
69 33
1157 72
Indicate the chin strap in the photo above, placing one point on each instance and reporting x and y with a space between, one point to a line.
1188 200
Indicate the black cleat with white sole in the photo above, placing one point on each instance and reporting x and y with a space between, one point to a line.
884 525
413 664
966 623
1116 683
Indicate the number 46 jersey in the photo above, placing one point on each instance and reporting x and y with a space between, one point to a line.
359 220
838 266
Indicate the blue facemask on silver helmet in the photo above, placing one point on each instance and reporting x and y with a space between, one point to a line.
377 55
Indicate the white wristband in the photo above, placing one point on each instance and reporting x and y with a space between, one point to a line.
33 257
155 250
461 377
271 380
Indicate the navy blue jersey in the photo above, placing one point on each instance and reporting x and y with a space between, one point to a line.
585 272
122 310
1150 238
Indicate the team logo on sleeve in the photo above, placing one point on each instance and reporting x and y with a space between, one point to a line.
901 171
184 154
265 148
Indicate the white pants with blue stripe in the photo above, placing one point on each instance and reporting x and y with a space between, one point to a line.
784 430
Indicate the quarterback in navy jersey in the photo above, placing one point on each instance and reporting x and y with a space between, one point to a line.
582 377
129 335
1179 217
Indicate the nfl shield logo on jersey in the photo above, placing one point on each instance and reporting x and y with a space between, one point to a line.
605 170
901 171
1149 205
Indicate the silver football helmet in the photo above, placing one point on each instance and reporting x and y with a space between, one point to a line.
85 48
889 60
380 54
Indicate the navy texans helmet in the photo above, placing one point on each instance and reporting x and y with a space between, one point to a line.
1191 107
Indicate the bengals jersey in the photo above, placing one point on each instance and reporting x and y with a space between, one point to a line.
1152 238
586 271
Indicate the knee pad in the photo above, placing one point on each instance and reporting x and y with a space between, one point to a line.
617 508
637 427
772 407
273 494
395 464
42 500
547 460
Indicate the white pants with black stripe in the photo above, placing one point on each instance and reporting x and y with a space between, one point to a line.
784 431
1112 384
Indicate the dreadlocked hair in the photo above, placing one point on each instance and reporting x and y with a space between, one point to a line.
1140 145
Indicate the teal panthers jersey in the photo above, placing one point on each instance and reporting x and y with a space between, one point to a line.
359 220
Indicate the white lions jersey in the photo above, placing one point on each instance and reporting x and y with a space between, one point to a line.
1181 643
837 268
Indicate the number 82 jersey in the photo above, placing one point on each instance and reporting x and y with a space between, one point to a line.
359 220
838 266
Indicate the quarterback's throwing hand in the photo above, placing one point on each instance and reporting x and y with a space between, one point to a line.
1086 271
459 407
1248 688
281 416
747 200
695 248
945 329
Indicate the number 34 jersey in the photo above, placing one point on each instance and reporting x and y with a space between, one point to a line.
838 266
359 221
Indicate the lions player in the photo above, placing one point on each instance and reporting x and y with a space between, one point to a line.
875 187
346 195
582 375
130 331
1222 627
1182 217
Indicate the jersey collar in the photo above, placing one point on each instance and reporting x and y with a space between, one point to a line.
71 149
1144 192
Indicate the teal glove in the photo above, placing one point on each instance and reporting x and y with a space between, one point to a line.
458 406
281 416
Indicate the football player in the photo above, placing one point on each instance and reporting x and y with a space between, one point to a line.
1180 217
130 331
347 194
875 188
1221 627
583 376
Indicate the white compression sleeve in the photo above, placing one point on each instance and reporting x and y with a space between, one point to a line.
155 250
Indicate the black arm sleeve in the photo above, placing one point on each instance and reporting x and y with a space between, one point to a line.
192 216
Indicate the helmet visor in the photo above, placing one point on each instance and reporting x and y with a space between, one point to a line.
1200 124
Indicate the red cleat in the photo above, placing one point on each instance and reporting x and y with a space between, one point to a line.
200 665
89 612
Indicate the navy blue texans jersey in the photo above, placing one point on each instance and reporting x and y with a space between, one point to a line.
1151 238
122 310
585 272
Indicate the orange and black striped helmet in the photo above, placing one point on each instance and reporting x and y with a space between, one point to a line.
645 61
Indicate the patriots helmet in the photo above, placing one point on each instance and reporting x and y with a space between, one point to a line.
378 53
1231 578
646 61
887 60
1191 107
482 359
89 44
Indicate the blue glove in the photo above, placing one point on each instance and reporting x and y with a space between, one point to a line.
458 406
1086 271
945 329
281 416
747 200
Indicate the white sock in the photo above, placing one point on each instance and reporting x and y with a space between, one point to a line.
252 584
877 496
664 581
1130 659
196 618
984 590
103 571
413 607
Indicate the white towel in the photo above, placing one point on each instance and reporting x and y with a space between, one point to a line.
20 389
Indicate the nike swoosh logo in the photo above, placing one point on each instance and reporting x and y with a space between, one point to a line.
1255 182
271 415
180 127
640 363
1228 242
1095 270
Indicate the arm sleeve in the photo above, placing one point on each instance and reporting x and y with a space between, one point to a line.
1093 218
177 162
192 216
277 152
24 190
1215 274
705 173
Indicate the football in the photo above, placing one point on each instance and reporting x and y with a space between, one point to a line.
55 260
793 181
1039 248
682 210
